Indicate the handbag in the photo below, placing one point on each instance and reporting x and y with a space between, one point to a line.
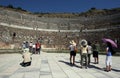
76 50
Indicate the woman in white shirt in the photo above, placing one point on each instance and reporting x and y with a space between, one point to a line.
72 52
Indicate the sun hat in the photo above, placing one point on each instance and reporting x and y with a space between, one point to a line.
83 42
73 42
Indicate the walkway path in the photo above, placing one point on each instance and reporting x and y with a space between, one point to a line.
54 65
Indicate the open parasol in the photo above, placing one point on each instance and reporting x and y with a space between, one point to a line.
110 41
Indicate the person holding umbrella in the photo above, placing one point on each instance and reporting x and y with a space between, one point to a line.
109 52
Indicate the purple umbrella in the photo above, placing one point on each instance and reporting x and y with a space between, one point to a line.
110 41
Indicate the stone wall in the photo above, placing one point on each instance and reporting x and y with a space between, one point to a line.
65 29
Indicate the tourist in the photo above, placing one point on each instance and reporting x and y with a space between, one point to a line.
109 51
38 47
27 44
96 48
84 52
26 58
72 52
23 45
30 46
89 52
33 48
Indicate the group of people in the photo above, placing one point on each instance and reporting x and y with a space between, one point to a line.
86 49
34 48
28 50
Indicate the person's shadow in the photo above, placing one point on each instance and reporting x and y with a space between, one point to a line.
116 70
67 63
93 66
89 66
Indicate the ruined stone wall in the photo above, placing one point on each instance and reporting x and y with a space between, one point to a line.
89 28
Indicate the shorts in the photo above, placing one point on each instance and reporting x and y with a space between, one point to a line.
38 49
73 53
108 60
95 54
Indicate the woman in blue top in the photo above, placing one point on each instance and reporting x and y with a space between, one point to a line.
109 51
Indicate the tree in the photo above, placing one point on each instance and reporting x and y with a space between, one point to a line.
10 6
93 8
19 8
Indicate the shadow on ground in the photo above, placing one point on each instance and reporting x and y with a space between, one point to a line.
67 63
116 70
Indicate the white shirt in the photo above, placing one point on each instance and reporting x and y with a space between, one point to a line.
89 49
30 44
72 47
84 49
33 45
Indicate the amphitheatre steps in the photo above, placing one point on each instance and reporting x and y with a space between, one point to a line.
59 30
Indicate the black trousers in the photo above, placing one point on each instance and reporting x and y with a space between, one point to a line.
24 64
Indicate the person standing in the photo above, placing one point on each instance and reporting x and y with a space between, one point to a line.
72 52
30 46
109 51
96 48
84 53
89 52
33 48
23 45
27 44
38 47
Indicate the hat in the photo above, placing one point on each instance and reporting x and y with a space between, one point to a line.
72 42
83 42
